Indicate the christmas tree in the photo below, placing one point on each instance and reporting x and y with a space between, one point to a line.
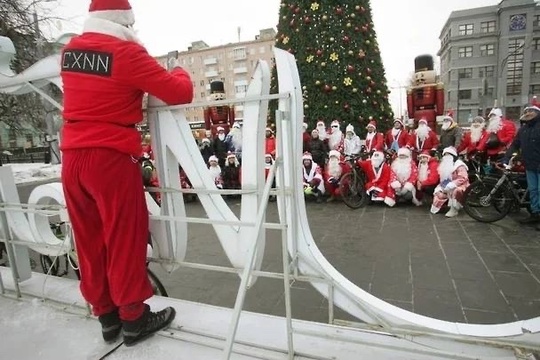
338 58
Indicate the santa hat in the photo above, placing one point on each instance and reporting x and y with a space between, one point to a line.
320 123
305 125
377 155
230 155
425 153
205 140
448 118
450 150
268 155
478 119
349 128
334 153
534 102
399 121
213 158
307 156
236 125
270 129
372 123
495 112
335 122
117 11
404 151
422 121
220 128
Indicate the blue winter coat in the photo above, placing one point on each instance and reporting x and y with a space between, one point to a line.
528 141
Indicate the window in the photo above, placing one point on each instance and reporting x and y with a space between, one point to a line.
536 20
536 44
487 26
464 94
466 29
202 82
514 72
487 50
486 71
203 94
240 89
489 92
239 53
535 68
534 89
465 73
465 52
261 50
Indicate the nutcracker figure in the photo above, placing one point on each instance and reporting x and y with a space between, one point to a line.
215 116
425 99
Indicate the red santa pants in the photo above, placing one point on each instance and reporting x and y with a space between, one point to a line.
105 201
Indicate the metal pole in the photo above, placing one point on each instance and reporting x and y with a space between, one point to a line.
458 98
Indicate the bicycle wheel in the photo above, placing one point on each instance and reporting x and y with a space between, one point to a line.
352 191
486 208
48 265
158 287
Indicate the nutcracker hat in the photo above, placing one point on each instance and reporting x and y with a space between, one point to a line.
450 150
213 158
422 121
118 11
404 151
334 153
372 123
349 128
217 86
307 156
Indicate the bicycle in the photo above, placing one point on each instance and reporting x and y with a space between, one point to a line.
504 191
352 184
52 266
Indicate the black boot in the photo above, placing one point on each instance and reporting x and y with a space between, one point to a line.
534 218
110 326
147 324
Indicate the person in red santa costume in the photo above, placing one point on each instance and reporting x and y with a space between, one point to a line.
423 138
377 175
402 179
500 133
454 180
397 137
106 72
321 128
313 179
306 137
215 171
333 171
472 138
428 175
374 139
335 137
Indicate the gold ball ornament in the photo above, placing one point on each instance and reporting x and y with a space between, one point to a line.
351 52
306 106
317 82
324 17
337 102
364 101
354 90
368 42
353 15
334 88
332 39
323 64
349 25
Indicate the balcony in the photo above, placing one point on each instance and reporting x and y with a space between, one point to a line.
240 70
211 74
210 61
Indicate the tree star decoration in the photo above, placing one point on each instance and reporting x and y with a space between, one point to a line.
347 81
314 6
286 40
309 58
334 57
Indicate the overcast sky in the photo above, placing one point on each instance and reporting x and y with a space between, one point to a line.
405 28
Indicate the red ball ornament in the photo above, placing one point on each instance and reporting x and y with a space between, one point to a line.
292 24
362 9
346 39
319 52
350 69
361 54
368 70
356 29
368 90
339 11
372 83
297 10
346 107
327 88
307 20
364 29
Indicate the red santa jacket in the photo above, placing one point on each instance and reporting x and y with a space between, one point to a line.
430 143
467 145
505 135
402 139
412 177
104 80
429 176
376 180
270 146
376 143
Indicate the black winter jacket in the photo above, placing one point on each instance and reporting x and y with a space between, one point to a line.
528 141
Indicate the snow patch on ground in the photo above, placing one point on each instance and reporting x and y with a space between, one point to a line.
36 172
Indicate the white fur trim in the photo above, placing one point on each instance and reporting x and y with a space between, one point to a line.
377 199
373 188
122 17
409 187
395 184
106 27
389 201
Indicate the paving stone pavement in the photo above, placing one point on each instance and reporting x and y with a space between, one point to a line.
451 269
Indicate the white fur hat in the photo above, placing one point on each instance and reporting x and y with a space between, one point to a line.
450 150
220 128
404 151
496 112
118 11
349 128
213 158
307 156
334 153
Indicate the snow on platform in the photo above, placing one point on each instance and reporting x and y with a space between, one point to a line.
60 328
35 172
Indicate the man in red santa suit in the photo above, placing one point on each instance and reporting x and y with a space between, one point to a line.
500 133
378 174
105 72
335 137
472 138
321 128
374 139
454 180
333 171
313 179
402 179
397 137
215 171
428 175
423 138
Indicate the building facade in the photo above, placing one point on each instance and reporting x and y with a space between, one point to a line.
233 63
491 55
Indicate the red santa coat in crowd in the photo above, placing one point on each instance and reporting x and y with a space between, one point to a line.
377 178
400 136
428 174
402 181
270 144
333 171
503 129
314 176
468 145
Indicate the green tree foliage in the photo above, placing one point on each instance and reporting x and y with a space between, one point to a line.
338 58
